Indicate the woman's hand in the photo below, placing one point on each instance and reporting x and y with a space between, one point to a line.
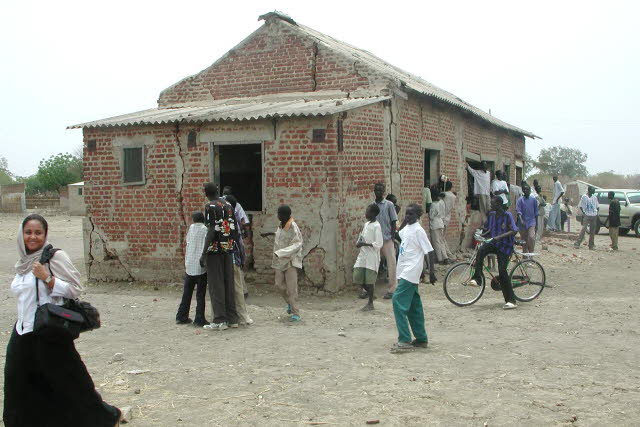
39 271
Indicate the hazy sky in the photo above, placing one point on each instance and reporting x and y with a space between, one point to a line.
567 71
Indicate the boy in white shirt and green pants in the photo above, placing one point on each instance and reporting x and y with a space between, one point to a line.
407 305
365 270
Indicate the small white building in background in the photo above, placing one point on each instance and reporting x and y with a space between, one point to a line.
76 199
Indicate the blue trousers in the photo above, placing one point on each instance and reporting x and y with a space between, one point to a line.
408 311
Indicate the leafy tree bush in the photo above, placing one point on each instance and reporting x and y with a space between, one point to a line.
560 160
6 177
58 171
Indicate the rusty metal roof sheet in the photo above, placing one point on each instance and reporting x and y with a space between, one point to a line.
236 110
401 77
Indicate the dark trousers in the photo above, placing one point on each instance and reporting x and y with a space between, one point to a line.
221 287
191 282
47 384
503 261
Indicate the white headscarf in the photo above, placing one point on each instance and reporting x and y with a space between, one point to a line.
60 264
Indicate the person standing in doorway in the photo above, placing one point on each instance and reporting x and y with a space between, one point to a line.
195 274
287 258
589 208
218 257
415 249
555 223
387 219
527 208
614 220
481 187
499 188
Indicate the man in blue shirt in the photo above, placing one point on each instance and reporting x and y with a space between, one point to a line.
527 209
501 228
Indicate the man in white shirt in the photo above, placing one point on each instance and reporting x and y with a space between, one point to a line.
499 188
554 215
407 305
589 208
481 187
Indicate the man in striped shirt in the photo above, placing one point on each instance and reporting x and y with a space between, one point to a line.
195 275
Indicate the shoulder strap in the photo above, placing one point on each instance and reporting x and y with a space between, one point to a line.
45 258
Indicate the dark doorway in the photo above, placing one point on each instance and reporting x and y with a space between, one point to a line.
240 166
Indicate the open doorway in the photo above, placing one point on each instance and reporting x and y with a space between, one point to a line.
240 166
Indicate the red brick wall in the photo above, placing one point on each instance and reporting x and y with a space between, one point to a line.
361 165
277 58
141 223
420 120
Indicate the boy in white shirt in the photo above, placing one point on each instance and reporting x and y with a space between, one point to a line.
407 306
365 270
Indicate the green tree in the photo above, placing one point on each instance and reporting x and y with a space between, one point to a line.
58 171
6 177
562 161
32 185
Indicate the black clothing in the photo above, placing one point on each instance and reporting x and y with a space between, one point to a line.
221 287
185 305
614 213
46 384
220 219
503 261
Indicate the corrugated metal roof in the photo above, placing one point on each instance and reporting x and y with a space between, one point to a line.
401 77
236 110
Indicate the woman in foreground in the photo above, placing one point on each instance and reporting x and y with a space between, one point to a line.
45 381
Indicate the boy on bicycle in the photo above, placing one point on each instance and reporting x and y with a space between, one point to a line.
501 229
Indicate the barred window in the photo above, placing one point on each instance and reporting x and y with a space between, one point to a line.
133 165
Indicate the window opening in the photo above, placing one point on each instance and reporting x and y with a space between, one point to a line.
133 167
519 176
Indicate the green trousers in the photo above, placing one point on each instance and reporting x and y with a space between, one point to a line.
407 309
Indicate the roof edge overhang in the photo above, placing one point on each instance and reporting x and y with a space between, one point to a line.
258 108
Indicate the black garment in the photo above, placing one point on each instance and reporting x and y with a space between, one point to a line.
46 384
563 219
220 219
614 213
185 305
503 261
221 287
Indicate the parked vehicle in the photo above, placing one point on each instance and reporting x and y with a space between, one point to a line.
629 209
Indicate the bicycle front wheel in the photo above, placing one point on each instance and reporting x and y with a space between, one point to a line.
527 279
457 288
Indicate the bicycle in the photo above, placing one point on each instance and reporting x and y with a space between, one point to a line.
528 278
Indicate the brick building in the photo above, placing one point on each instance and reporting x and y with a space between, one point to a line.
289 115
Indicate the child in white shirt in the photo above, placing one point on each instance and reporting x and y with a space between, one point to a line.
365 270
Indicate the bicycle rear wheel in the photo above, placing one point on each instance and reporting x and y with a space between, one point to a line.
527 279
457 288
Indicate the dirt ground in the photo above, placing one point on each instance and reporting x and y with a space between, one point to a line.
569 357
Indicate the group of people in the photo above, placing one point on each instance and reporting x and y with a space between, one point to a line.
215 257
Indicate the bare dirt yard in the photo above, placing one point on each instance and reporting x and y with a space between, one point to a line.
570 357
